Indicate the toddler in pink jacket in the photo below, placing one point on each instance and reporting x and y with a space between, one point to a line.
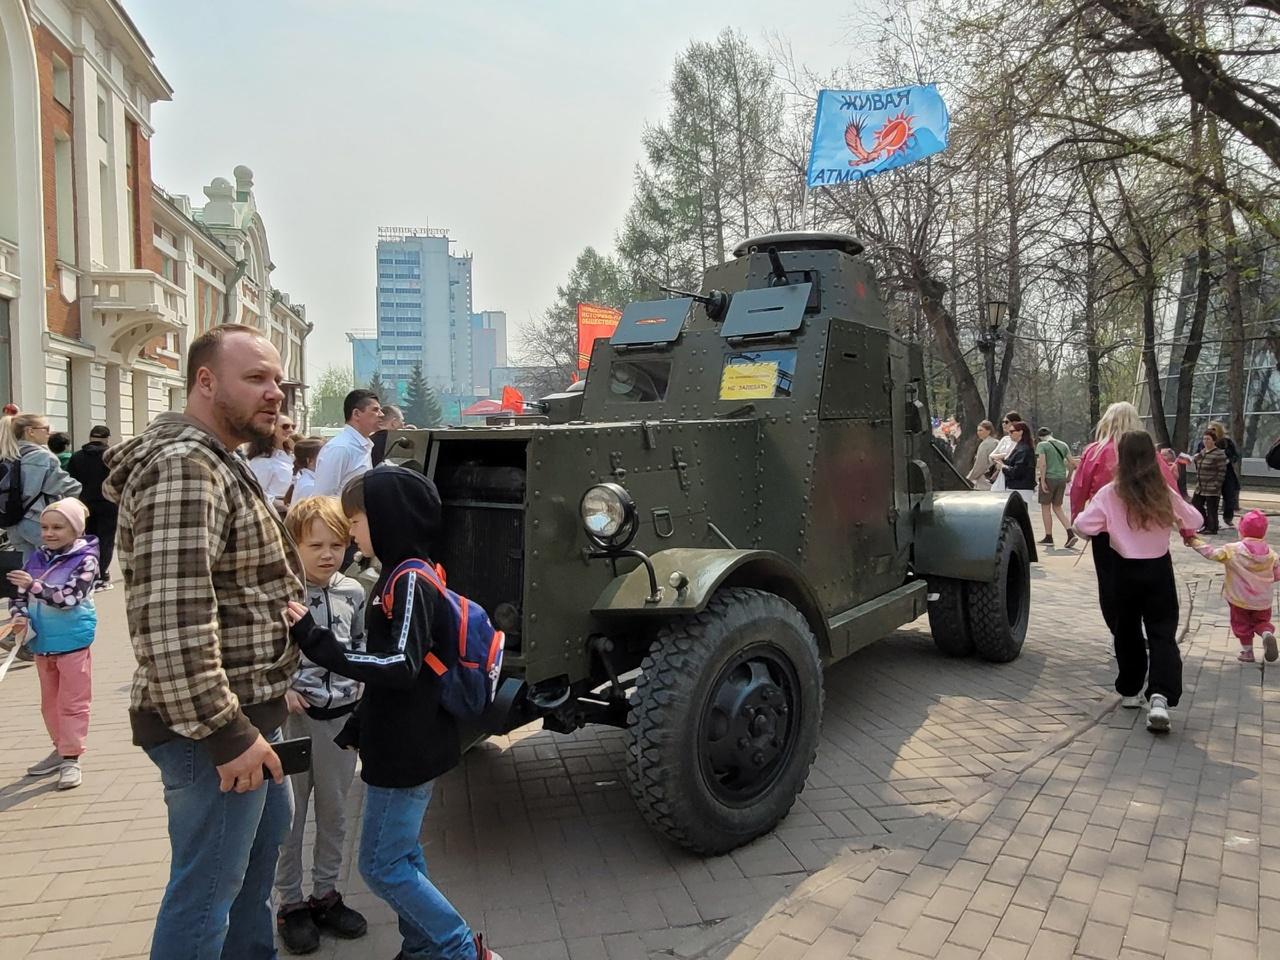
1251 569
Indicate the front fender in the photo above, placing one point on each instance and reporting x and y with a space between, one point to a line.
708 569
958 538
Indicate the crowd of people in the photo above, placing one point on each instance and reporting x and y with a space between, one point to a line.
1045 470
1127 497
231 537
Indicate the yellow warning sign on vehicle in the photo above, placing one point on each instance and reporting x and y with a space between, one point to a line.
748 381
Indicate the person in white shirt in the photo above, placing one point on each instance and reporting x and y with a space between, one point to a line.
271 460
305 452
349 454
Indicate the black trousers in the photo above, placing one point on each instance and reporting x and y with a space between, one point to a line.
1230 495
1208 507
1140 606
101 523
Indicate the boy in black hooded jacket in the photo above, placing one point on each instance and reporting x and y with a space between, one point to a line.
405 737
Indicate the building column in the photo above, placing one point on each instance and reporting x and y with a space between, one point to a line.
112 377
141 400
80 414
27 313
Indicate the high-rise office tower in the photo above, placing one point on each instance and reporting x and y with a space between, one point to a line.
424 310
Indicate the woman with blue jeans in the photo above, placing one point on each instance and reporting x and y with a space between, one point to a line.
405 736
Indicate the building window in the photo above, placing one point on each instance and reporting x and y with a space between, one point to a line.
62 83
63 208
130 198
104 118
110 236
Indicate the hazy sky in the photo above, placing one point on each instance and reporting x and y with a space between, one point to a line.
516 125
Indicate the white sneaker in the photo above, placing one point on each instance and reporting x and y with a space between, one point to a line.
1131 703
69 775
50 764
1158 714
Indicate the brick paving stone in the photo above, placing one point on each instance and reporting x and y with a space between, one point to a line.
992 898
1143 933
926 936
1114 845
974 930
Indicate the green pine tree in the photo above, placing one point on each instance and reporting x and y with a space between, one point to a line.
380 387
432 415
421 407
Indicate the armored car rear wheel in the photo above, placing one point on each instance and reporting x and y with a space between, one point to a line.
724 721
998 611
947 620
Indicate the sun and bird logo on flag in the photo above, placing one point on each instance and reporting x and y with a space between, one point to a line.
859 133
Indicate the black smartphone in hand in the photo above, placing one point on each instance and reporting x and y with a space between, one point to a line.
295 756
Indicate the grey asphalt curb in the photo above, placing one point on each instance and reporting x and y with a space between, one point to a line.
732 929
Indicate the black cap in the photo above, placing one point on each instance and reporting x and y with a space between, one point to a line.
1044 432
100 432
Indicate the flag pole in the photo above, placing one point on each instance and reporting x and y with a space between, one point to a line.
804 206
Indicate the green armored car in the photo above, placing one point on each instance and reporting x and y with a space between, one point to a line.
745 490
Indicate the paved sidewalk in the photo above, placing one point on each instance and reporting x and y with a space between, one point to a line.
537 841
1118 844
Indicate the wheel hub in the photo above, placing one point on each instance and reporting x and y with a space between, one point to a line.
746 731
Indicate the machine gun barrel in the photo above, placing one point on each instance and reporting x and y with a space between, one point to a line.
716 302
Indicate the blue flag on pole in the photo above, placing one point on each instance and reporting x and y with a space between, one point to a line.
859 133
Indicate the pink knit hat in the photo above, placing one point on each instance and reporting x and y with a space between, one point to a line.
1253 525
73 510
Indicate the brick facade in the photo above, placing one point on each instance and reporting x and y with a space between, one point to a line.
63 316
144 249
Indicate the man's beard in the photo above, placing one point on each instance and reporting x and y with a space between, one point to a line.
243 426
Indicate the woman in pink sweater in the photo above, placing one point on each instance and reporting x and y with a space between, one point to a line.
1138 511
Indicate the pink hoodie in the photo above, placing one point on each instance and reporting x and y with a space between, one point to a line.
1251 569
1106 513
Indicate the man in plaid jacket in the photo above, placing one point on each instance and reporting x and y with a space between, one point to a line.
208 570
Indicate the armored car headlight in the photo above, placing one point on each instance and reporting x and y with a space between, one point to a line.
608 515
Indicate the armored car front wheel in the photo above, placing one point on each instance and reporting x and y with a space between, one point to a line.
724 721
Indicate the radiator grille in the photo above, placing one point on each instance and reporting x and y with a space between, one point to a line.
482 550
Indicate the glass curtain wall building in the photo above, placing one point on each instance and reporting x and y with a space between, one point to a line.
423 310
1260 292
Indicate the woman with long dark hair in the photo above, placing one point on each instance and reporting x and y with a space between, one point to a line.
271 460
1020 465
1137 511
1003 448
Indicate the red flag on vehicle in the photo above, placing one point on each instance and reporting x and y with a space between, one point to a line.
512 399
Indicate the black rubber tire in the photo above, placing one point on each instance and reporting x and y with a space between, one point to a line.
948 621
998 611
664 770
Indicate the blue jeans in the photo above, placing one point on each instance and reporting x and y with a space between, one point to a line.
392 864
224 848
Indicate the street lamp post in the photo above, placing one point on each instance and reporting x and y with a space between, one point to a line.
987 344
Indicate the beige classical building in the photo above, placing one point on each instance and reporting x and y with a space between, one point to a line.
218 255
96 305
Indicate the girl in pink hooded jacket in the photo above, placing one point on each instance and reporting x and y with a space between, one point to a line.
1251 569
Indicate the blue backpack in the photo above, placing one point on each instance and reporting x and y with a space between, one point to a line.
470 686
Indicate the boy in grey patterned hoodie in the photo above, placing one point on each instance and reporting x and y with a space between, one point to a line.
320 703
